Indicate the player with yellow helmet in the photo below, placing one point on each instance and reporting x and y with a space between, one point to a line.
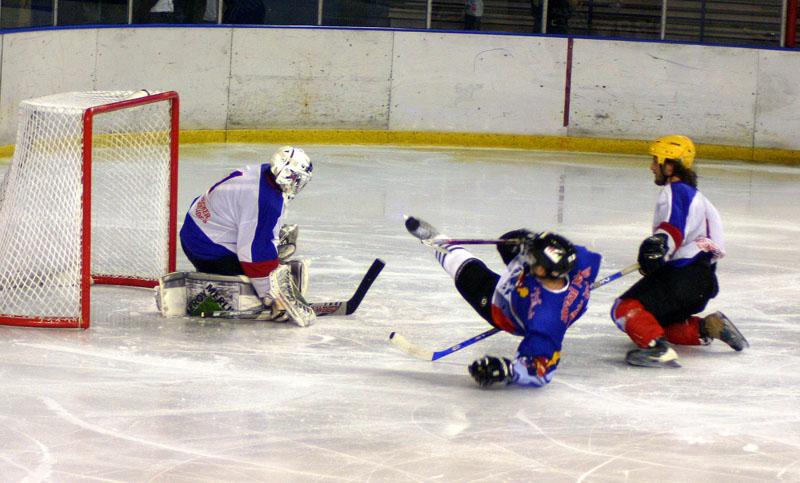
679 262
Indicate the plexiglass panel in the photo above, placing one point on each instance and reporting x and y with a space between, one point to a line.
25 13
363 13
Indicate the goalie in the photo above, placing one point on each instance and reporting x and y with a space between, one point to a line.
233 235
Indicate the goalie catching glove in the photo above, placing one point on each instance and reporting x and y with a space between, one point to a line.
489 370
287 241
285 296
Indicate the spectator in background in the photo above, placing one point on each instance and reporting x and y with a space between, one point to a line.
159 11
244 12
198 11
558 15
162 12
90 12
472 14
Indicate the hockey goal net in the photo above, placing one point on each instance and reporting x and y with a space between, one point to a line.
89 197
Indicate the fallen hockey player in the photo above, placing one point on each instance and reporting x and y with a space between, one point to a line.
544 289
234 236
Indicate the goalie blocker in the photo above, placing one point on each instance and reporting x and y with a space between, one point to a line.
192 293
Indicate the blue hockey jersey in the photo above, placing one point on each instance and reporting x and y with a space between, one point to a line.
522 306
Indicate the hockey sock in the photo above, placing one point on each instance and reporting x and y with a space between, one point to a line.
640 325
686 332
454 259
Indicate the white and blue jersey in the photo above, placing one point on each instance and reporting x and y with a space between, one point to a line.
691 223
239 216
522 306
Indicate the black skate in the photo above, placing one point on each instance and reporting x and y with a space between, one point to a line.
420 228
660 354
718 326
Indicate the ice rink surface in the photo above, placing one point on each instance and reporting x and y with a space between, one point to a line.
141 398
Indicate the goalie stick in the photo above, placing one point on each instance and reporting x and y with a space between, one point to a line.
414 350
320 308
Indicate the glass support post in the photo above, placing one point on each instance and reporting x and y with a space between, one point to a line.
702 20
428 14
545 6
784 9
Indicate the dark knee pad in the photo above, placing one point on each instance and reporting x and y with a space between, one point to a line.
476 283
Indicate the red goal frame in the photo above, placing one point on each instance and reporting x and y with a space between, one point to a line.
87 279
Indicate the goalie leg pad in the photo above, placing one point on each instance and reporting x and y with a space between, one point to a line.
206 292
170 294
285 293
188 293
299 271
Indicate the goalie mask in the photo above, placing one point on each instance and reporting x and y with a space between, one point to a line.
292 169
675 147
552 252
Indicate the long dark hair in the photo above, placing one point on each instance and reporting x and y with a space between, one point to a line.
685 174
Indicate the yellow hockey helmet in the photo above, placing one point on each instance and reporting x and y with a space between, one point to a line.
676 147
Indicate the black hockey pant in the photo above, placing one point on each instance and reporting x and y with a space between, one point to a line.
673 294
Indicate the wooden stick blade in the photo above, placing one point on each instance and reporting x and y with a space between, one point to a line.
413 350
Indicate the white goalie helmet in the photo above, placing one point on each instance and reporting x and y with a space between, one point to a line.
292 169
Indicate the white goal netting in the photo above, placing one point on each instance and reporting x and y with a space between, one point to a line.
43 202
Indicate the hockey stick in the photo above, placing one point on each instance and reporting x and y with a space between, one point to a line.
439 243
478 241
350 306
414 350
428 236
320 308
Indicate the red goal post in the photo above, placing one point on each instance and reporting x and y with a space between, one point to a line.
90 197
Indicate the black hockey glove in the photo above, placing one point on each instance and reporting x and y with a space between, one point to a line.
508 252
651 253
488 370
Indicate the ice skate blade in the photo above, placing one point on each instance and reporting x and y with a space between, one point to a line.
647 358
644 363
